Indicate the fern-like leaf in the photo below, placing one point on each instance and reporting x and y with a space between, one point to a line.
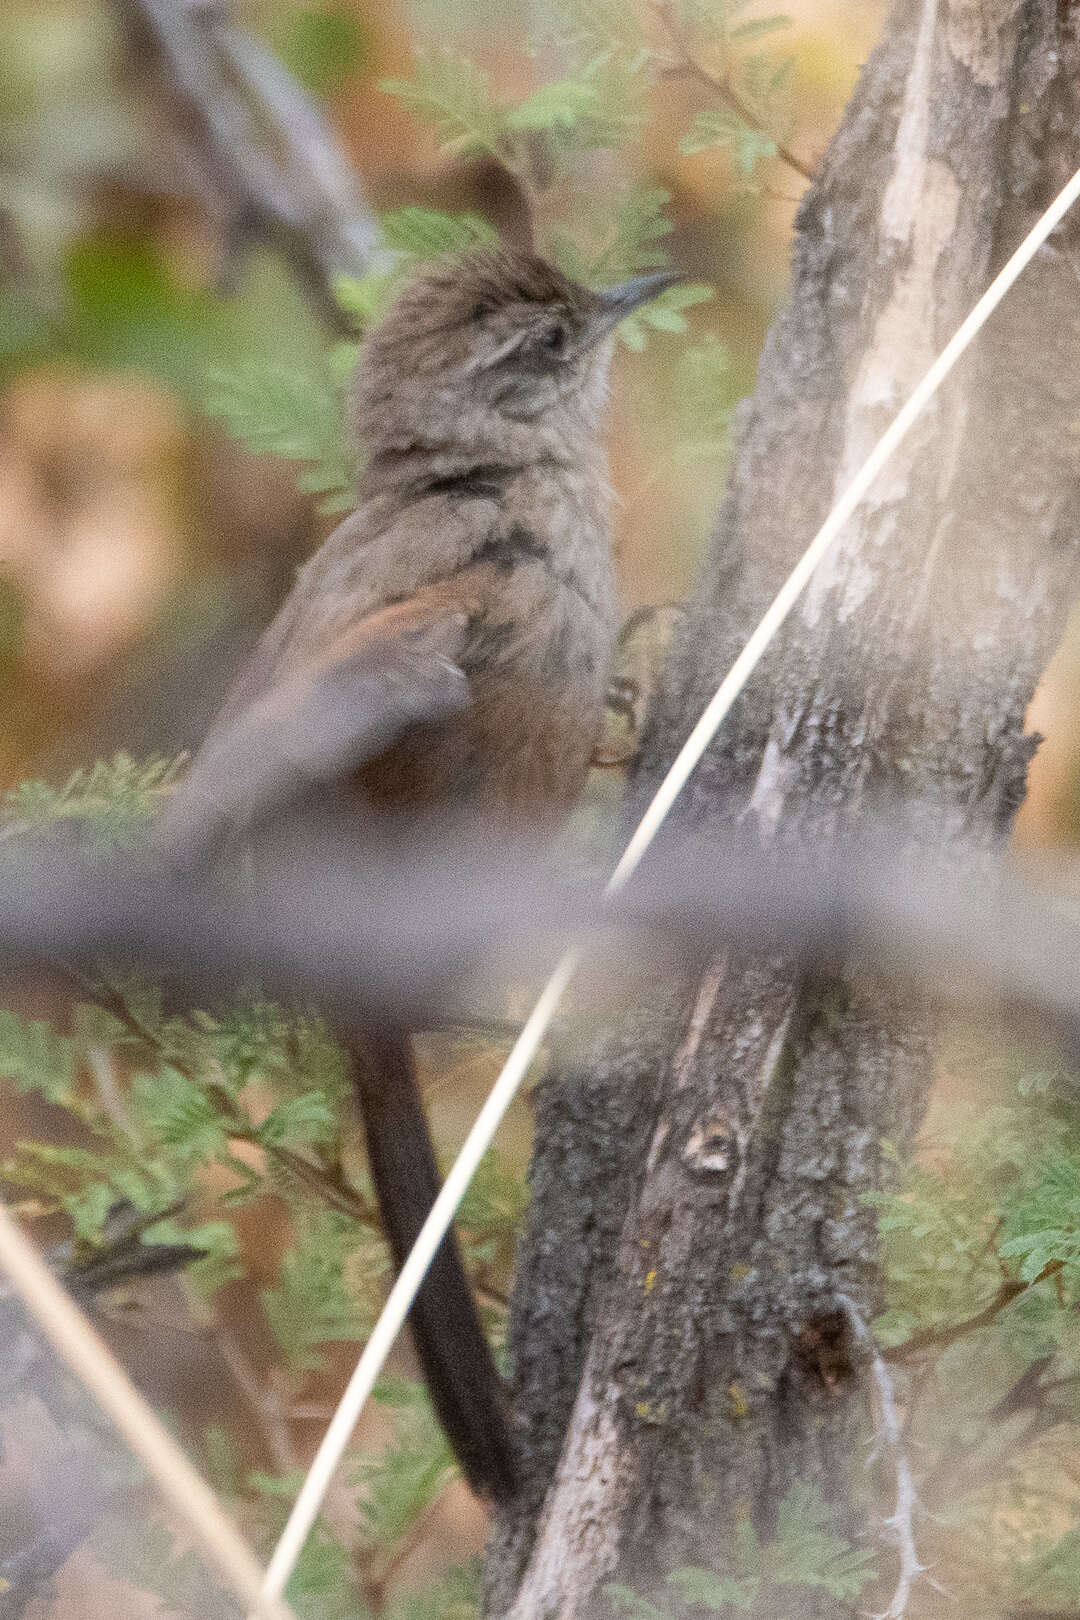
453 95
426 233
296 414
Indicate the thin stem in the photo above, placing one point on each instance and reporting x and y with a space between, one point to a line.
687 65
941 1338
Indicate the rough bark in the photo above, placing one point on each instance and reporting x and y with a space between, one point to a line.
681 1349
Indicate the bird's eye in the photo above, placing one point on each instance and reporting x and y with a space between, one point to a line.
553 338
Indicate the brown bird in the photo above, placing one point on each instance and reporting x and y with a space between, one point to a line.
445 652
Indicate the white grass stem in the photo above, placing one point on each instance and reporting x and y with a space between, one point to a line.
528 1042
184 1490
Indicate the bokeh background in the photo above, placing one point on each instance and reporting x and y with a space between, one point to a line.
139 546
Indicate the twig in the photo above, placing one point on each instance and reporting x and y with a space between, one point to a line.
900 1521
262 1402
941 1338
720 85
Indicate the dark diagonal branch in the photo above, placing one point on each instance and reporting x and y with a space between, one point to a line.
940 1338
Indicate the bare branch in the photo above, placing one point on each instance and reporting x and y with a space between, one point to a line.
900 1521
940 1338
261 146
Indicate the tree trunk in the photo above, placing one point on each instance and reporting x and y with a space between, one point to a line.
681 1348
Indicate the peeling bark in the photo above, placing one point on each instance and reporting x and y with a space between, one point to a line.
681 1348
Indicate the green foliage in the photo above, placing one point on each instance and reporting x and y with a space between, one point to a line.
1042 1220
453 95
405 1478
425 233
313 1303
144 1552
323 1584
937 1228
160 1106
703 403
1051 1577
491 1212
588 28
296 414
722 127
455 1597
36 1058
297 410
109 803
323 46
806 1553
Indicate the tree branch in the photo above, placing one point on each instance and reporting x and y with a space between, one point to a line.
262 148
940 1338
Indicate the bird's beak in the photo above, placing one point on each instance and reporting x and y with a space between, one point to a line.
616 302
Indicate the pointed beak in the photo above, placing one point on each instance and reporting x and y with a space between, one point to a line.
616 302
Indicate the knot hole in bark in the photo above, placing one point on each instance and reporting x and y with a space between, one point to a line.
825 1350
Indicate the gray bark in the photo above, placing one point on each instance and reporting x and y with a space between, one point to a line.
680 1351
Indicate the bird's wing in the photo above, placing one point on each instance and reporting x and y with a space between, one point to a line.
317 721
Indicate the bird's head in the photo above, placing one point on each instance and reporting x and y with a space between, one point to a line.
478 348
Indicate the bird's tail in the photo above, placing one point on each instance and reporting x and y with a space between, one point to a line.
462 1379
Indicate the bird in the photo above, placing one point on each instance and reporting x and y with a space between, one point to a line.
444 654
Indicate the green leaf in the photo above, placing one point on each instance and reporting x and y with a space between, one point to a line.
110 802
146 1554
805 1553
721 128
666 312
456 1596
407 1475
365 297
704 401
293 413
36 1058
453 94
625 1601
426 233
564 103
588 27
758 27
178 1114
314 1303
702 1589
310 1118
219 1262
323 46
602 107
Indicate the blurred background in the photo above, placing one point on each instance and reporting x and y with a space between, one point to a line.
140 547
173 371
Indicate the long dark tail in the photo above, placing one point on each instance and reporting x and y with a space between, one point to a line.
461 1376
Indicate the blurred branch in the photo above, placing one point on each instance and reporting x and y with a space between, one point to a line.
262 147
395 929
76 1342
